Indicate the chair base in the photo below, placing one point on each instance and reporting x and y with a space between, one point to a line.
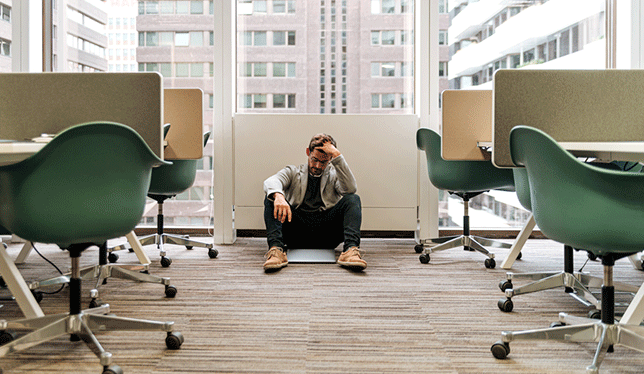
577 285
469 242
100 273
160 239
581 330
80 326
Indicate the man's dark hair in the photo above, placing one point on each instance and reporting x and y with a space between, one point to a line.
319 140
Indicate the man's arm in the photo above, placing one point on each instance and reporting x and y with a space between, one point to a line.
274 188
346 182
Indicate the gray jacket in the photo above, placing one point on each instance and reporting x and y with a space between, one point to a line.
337 181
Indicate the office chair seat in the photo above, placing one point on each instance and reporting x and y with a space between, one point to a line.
86 186
465 179
582 206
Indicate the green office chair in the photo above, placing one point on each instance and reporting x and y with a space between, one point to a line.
576 284
465 179
168 181
582 206
86 186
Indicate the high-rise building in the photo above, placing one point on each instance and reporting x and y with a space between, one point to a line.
75 42
78 41
488 35
5 35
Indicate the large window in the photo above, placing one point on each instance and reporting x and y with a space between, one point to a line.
335 72
486 36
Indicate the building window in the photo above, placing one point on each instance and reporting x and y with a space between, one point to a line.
284 101
383 69
196 38
196 7
406 37
406 6
182 70
442 37
259 101
5 48
181 39
442 6
183 7
166 7
442 69
284 69
283 6
5 13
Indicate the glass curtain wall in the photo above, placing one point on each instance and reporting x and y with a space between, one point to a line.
487 35
176 39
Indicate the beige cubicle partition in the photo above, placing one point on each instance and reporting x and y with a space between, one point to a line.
183 110
383 158
569 105
32 104
467 119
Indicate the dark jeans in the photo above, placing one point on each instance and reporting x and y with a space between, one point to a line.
325 229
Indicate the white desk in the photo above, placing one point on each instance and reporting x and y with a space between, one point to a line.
12 151
603 151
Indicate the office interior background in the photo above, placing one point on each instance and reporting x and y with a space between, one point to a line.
316 57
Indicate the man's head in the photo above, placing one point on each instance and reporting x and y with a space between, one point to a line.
318 158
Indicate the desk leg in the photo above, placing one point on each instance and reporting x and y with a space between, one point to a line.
18 287
138 249
636 261
634 314
518 243
22 256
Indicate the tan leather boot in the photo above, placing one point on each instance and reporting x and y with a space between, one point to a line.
352 258
275 259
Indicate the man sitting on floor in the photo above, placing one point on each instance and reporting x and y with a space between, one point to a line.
313 205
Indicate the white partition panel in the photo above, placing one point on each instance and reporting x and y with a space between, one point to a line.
380 149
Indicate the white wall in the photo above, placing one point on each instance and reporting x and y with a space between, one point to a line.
380 149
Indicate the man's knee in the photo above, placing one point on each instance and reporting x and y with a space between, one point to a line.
352 199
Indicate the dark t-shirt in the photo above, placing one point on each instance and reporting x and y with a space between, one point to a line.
313 197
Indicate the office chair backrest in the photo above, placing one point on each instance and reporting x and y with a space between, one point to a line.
170 180
87 185
522 187
576 203
460 176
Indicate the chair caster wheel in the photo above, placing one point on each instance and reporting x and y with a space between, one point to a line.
95 303
505 285
212 253
419 248
38 295
490 263
557 324
112 369
170 291
165 262
174 340
424 258
595 314
505 305
500 350
112 257
7 337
